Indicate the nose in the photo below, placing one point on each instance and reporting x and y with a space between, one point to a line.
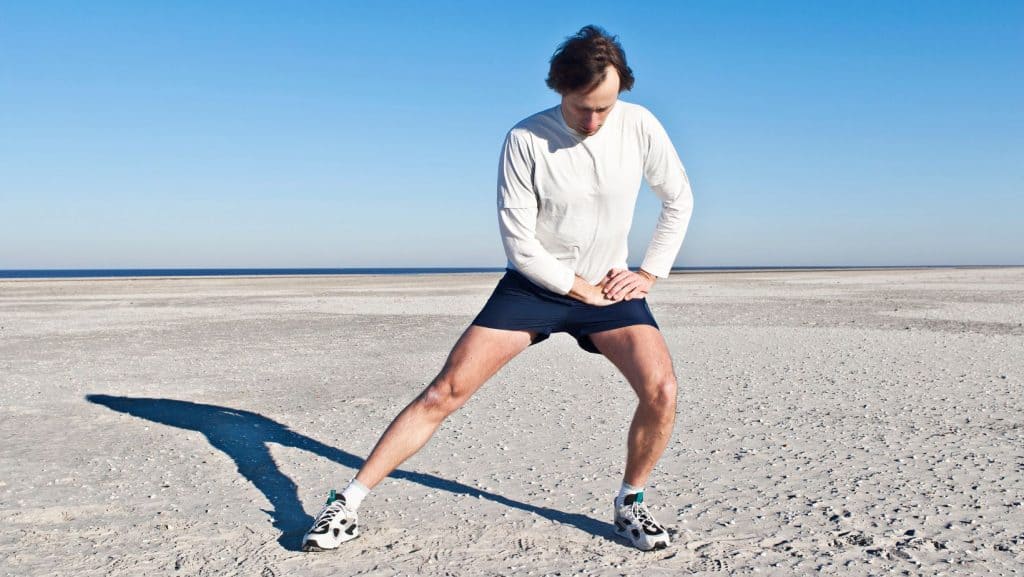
591 122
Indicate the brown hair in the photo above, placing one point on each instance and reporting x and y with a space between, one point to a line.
581 61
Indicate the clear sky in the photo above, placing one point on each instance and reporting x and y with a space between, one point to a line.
340 134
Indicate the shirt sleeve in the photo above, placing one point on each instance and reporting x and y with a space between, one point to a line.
666 176
517 220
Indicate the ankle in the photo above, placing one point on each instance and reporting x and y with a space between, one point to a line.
354 494
627 490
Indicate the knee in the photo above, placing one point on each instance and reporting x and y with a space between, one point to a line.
442 397
660 394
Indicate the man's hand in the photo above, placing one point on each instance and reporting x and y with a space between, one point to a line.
624 284
589 294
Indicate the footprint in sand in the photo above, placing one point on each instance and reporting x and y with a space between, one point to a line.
711 564
524 543
852 538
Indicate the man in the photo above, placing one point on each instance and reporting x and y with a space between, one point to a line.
567 185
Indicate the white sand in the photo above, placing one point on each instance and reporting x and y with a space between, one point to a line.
851 423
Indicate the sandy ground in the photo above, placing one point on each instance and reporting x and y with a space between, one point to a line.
850 423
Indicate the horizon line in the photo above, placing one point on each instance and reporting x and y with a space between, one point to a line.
59 273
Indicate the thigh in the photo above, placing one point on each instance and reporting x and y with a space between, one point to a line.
639 352
478 354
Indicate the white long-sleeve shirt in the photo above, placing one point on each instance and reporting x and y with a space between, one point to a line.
565 201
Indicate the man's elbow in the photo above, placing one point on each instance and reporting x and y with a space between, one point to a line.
682 203
519 254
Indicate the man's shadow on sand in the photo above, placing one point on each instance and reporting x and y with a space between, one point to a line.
244 436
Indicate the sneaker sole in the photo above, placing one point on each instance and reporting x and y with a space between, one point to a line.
660 545
312 547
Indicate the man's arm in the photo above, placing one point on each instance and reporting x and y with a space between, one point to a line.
518 236
517 220
666 176
537 264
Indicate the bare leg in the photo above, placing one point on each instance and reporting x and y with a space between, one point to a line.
478 354
640 353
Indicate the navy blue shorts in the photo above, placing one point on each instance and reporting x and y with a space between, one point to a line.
519 305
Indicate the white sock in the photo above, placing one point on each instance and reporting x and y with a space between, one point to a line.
625 490
354 494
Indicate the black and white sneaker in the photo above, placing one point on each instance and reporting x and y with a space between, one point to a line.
634 522
334 525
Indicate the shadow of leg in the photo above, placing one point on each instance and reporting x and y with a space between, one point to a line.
244 435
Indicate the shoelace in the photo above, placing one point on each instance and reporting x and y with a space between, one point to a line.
328 514
644 516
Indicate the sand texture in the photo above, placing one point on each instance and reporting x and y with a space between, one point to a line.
845 423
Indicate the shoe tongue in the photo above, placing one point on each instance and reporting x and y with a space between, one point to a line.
633 498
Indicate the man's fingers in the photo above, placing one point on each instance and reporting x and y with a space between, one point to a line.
612 284
618 281
624 284
615 285
624 287
636 293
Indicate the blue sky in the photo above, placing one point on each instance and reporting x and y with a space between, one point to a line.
337 134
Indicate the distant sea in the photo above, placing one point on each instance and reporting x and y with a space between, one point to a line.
151 272
199 272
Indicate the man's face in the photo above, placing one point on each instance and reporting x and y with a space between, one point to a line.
586 111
